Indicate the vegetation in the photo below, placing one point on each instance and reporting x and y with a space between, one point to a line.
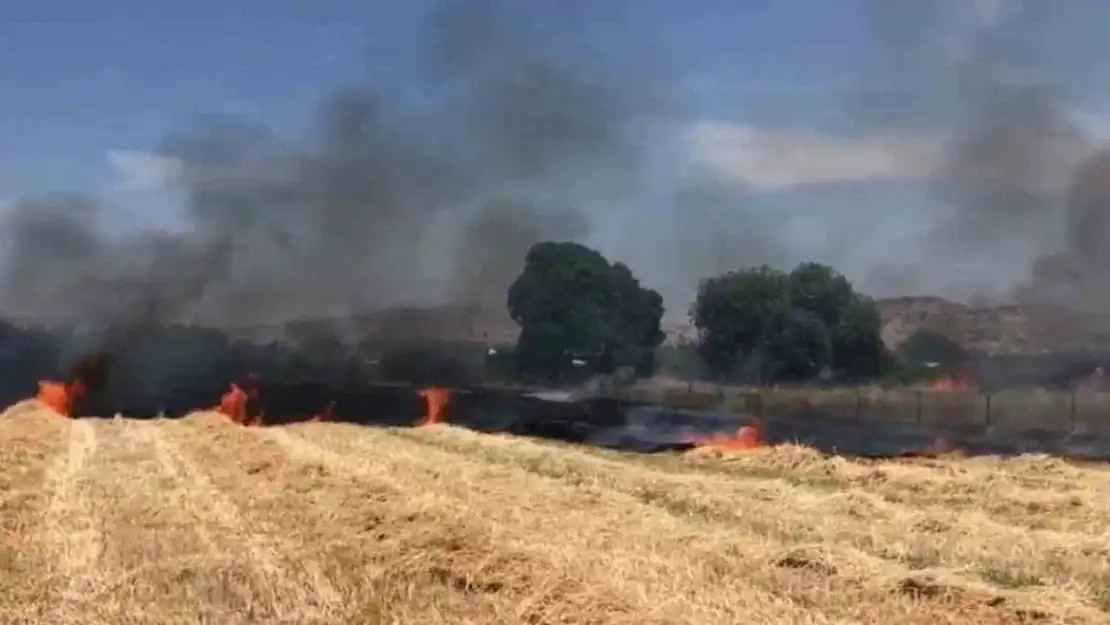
681 361
581 315
763 325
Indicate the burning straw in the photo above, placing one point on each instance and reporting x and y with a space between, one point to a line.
746 438
438 400
88 376
240 404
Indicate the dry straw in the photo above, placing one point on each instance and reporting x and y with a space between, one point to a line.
198 520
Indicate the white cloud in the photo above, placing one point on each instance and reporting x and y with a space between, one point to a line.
770 160
142 171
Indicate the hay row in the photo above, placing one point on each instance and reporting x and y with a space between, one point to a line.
199 520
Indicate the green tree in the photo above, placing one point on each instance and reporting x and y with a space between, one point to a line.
572 303
737 315
858 352
772 325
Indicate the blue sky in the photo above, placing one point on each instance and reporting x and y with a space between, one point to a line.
766 82
82 78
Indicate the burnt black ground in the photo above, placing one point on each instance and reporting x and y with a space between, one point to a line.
601 422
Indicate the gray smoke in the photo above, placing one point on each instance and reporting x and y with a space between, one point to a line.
1024 217
525 127
393 199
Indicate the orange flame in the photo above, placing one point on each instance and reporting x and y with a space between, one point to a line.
61 397
949 383
438 400
88 375
235 403
746 438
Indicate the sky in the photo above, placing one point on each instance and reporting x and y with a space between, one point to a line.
88 91
81 79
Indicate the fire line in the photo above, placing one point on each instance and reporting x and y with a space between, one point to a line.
438 399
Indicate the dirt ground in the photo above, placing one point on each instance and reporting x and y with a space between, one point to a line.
202 521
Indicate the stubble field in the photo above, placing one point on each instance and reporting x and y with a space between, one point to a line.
201 520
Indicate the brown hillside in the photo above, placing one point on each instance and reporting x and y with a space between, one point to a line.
993 330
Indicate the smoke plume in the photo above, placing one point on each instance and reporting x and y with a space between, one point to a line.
521 127
1025 209
393 199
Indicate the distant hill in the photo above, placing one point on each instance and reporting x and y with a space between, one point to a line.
992 330
995 330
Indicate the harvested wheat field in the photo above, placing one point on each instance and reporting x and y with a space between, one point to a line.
203 521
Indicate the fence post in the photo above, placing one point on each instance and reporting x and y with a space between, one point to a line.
920 406
988 415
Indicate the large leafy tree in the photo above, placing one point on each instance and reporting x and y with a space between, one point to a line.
767 325
571 303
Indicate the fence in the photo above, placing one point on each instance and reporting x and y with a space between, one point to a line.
1025 409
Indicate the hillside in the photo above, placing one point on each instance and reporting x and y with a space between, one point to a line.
997 330
199 520
994 330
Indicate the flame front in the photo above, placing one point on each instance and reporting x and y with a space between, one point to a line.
438 400
61 397
233 404
236 403
746 438
951 384
87 376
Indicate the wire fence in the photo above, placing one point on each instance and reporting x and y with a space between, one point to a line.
1022 409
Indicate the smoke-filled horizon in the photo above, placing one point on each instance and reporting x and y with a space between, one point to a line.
1025 206
389 201
528 129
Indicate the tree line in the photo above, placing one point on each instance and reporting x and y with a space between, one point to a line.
581 315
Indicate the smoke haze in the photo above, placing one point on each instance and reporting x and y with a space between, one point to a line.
1023 213
524 130
389 202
